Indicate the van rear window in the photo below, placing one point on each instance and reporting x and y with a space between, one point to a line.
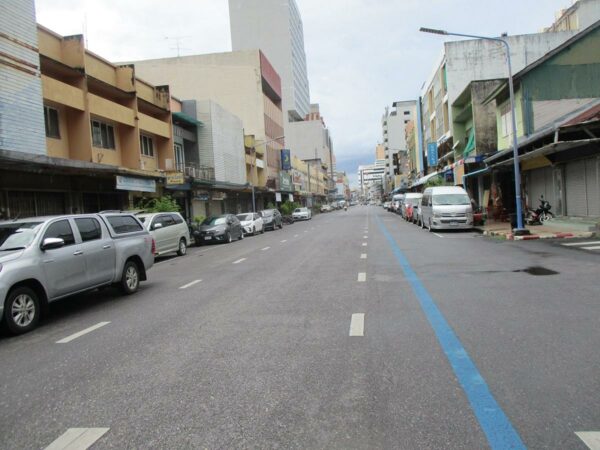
124 224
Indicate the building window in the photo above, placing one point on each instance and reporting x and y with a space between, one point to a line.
103 135
179 157
505 120
407 113
147 145
51 122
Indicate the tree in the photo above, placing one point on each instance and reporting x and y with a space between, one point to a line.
155 205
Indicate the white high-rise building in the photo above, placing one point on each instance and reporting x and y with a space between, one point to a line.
275 27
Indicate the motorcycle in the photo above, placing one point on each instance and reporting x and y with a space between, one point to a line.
541 214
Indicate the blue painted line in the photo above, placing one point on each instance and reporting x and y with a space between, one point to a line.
497 427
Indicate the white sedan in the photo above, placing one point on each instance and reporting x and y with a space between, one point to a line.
302 214
252 223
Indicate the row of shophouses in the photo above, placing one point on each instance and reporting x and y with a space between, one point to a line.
81 134
459 130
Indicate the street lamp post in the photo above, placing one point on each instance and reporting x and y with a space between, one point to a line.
520 229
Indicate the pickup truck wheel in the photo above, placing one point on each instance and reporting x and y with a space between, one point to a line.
21 310
182 247
130 281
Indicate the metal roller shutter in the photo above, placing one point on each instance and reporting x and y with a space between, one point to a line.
541 183
592 181
576 188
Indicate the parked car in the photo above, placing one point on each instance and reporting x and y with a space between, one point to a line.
411 201
397 203
326 208
271 219
44 259
252 223
444 207
223 228
387 205
169 230
302 214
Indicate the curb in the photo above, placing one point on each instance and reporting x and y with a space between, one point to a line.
560 235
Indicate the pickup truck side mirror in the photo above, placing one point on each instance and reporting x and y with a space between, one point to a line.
50 243
157 226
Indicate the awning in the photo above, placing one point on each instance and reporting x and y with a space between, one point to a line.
187 119
425 179
555 147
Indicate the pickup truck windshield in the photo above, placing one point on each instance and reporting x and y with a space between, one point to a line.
18 235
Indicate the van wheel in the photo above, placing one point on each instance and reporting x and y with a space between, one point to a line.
21 310
130 280
182 247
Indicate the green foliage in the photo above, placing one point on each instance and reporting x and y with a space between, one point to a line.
271 205
161 204
287 208
199 219
435 181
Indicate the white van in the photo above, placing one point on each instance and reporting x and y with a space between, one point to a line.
446 207
397 203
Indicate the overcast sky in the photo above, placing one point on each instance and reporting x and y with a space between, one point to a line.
362 54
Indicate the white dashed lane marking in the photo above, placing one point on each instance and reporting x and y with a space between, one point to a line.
239 261
185 286
576 244
590 438
365 237
363 256
81 333
364 244
285 240
357 324
362 276
264 249
77 439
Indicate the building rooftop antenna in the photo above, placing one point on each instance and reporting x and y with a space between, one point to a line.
178 40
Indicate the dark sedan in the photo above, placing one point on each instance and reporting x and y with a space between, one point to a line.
223 228
271 219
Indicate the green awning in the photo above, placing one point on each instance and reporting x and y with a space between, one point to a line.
470 143
187 119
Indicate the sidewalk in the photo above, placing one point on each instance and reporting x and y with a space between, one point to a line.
502 230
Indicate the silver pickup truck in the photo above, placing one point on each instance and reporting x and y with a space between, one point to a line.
43 259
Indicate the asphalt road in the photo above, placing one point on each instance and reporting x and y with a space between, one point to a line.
294 339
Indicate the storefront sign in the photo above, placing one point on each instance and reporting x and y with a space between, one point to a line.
219 196
291 197
285 182
286 160
432 154
202 197
278 197
135 184
174 178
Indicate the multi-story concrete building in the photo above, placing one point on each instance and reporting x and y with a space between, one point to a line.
275 27
370 175
379 151
393 125
21 109
580 15
310 139
242 82
463 62
108 135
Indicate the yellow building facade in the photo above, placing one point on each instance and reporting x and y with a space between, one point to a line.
98 112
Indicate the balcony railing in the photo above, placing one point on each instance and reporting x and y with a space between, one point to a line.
200 172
